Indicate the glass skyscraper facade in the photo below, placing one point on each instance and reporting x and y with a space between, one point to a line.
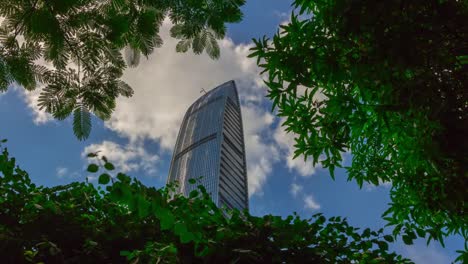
210 145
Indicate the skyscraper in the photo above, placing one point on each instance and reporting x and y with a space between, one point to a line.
211 144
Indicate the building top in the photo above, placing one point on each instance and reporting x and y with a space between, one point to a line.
226 89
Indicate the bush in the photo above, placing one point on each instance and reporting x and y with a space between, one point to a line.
121 220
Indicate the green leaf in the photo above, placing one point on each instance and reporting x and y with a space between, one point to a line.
463 257
183 45
93 168
193 194
123 178
192 181
383 245
177 31
124 89
109 166
181 230
198 43
388 238
81 123
331 169
366 232
407 240
212 47
104 178
143 207
420 232
463 59
166 218
411 234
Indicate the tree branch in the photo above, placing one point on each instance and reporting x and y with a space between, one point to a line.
29 12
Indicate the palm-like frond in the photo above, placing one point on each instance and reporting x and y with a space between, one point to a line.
212 47
124 89
81 122
183 45
198 44
5 76
177 31
50 98
64 109
81 42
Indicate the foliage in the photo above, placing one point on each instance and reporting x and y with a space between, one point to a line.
387 81
81 223
73 47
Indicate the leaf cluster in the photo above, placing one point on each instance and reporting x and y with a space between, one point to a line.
121 220
72 48
387 81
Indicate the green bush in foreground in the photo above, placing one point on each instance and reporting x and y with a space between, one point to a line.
125 221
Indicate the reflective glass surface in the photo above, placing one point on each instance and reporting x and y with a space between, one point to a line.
210 145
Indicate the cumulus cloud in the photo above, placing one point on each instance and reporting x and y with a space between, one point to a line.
125 158
295 189
168 82
31 99
310 203
260 153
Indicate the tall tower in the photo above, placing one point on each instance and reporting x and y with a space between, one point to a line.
211 144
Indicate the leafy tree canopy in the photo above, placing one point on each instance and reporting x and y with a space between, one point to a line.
80 42
122 220
387 81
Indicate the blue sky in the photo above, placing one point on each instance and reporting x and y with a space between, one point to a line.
141 134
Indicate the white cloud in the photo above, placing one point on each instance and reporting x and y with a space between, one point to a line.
168 82
260 154
310 203
91 178
31 99
421 254
296 189
284 16
369 187
132 157
63 172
